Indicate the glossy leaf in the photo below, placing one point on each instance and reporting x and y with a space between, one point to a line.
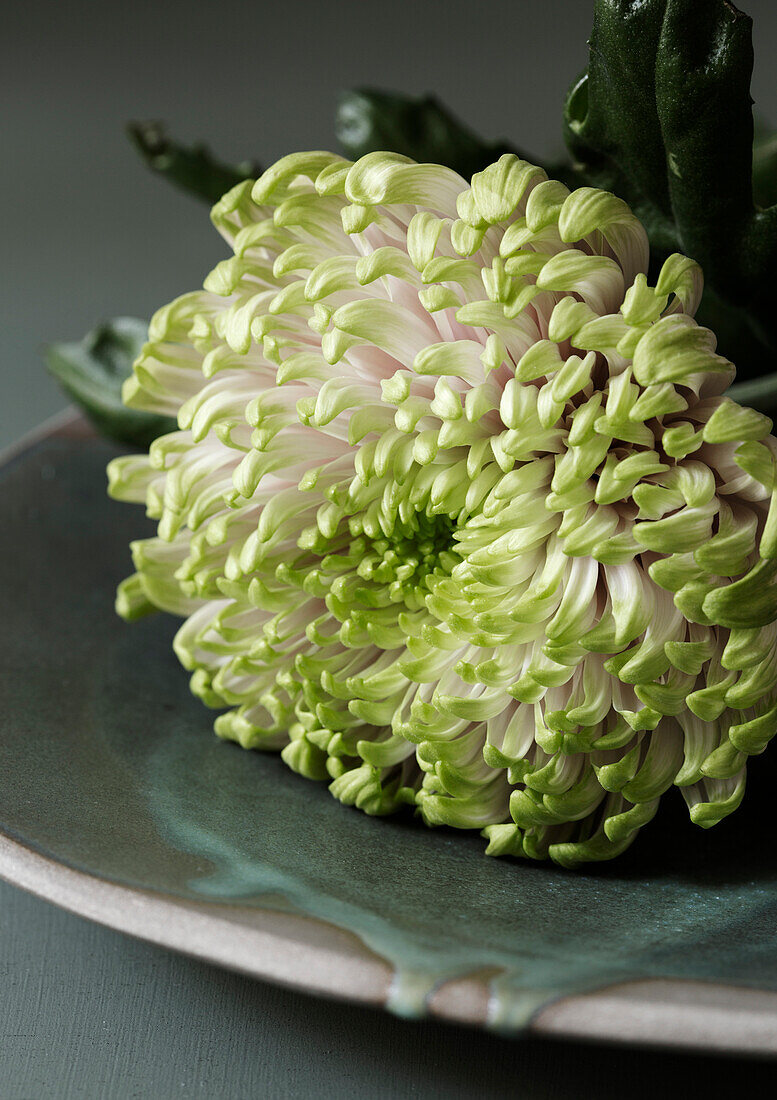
663 113
191 168
663 117
92 370
764 165
369 120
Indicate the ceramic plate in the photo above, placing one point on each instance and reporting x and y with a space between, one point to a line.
117 802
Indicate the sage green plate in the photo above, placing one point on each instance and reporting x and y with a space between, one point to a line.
116 801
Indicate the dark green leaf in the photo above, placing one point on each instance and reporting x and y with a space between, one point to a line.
192 168
423 129
764 166
664 114
703 69
663 117
92 371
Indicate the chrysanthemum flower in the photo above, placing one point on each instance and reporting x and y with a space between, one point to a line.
457 515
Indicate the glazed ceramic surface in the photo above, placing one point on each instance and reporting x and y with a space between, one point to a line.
117 800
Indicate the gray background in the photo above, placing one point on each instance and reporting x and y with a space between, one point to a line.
87 234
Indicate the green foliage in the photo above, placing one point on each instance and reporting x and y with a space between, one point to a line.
193 169
663 117
92 371
368 121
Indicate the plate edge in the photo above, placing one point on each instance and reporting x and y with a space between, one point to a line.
674 1013
664 1012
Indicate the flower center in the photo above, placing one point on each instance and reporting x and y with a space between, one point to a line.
404 560
381 569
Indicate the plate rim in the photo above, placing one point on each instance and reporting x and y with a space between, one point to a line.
308 955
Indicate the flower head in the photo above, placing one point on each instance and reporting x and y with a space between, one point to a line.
457 515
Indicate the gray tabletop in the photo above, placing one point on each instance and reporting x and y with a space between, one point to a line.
86 1012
